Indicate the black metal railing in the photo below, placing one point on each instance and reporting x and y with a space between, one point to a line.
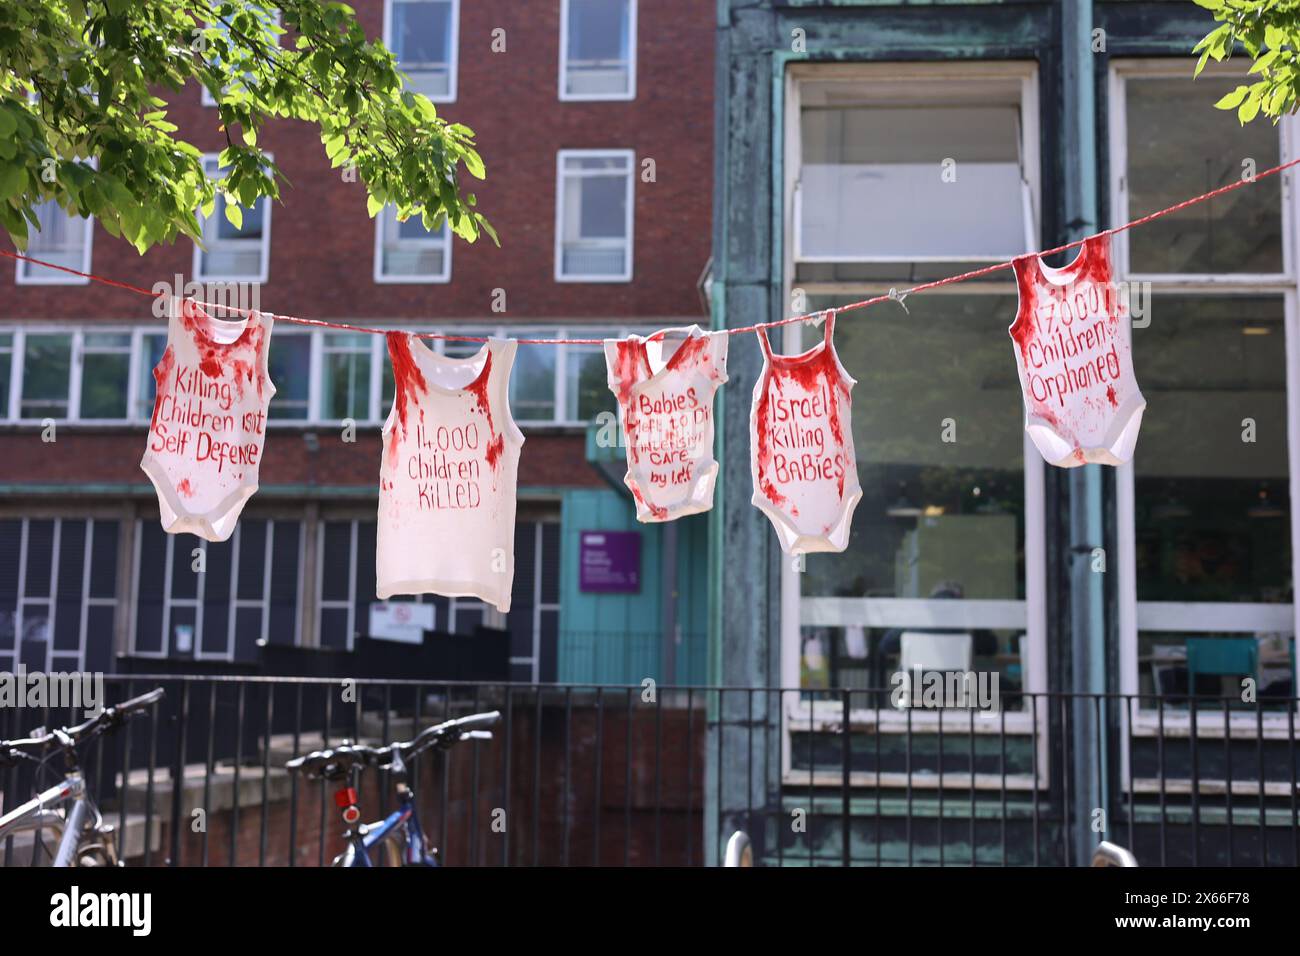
581 775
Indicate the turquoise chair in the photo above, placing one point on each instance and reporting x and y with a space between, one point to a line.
1221 657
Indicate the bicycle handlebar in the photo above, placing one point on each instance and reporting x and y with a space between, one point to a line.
66 737
335 763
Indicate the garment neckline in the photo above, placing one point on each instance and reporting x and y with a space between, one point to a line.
203 324
477 362
692 332
1066 273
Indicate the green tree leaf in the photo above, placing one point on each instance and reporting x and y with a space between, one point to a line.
102 73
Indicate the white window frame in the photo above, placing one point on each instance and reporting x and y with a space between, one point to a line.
568 97
491 617
1028 616
453 46
386 223
561 176
43 275
373 349
79 352
139 371
86 603
265 251
1194 616
236 603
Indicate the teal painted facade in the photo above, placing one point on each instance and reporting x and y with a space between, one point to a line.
619 638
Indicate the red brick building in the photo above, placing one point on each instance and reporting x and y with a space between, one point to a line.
594 118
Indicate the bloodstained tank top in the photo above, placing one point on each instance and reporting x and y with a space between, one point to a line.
447 479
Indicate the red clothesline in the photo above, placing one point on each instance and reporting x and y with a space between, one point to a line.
892 295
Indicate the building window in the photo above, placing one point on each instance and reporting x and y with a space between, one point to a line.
407 252
944 568
105 376
347 363
598 50
423 35
534 618
533 381
586 384
58 579
47 375
233 253
63 240
945 164
1204 512
6 372
288 362
345 588
216 600
593 219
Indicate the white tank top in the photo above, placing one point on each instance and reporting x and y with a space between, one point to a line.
209 420
665 406
448 476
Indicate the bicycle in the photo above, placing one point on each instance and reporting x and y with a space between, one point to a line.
399 835
67 809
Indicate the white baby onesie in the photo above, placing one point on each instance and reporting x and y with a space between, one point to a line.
802 460
1073 348
665 384
209 420
447 479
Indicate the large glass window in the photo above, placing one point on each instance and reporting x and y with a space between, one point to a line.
598 50
593 241
1205 507
423 36
1178 148
204 599
921 169
940 558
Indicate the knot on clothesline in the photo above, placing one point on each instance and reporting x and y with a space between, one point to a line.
817 318
899 297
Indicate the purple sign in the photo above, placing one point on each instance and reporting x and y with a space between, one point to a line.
609 562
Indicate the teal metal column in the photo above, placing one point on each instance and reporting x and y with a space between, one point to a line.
1086 778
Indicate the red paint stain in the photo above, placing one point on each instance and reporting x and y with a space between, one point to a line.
185 488
1110 396
810 371
162 379
479 390
408 380
494 448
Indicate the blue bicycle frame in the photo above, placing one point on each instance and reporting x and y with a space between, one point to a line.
402 827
